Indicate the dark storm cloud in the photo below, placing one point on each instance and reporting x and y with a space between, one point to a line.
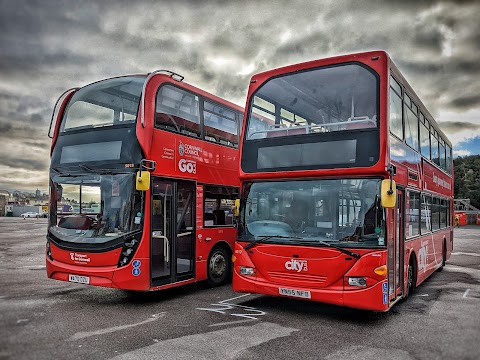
5 128
17 112
40 145
466 102
458 126
428 37
25 30
23 163
49 46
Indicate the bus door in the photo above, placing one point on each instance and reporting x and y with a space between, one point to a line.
396 251
172 231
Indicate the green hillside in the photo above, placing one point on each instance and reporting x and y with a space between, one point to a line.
467 179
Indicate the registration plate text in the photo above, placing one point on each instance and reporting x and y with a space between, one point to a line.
304 294
79 279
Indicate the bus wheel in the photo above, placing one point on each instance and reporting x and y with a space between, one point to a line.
218 266
410 279
444 255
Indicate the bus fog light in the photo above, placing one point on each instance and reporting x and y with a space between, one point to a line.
247 270
128 249
357 281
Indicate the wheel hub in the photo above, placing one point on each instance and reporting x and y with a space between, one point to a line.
218 265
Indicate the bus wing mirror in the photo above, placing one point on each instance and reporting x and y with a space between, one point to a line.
236 207
389 194
143 181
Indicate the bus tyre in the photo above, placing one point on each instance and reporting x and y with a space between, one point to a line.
218 266
410 279
444 256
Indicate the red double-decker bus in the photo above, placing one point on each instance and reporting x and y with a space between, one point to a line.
347 185
143 177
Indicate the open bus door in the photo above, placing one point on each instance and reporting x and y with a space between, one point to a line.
172 231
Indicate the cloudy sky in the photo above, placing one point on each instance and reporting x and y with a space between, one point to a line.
47 47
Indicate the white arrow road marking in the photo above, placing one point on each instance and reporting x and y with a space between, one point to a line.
364 352
221 307
219 344
82 335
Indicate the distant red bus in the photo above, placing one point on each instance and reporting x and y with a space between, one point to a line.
347 185
143 177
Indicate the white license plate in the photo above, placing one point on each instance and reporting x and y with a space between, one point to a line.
79 279
304 294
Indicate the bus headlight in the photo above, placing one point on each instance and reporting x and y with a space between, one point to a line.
128 250
49 251
357 281
245 270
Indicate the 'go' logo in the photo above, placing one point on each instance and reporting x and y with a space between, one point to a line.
187 166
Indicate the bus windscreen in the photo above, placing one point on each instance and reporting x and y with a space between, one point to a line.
320 100
346 212
105 103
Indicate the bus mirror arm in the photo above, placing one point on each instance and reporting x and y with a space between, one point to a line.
392 169
143 178
389 189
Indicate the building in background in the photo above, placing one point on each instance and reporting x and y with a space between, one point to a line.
3 202
466 212
19 202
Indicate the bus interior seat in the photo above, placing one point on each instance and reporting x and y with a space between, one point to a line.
75 222
209 219
219 217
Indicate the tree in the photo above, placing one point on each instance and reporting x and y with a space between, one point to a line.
467 179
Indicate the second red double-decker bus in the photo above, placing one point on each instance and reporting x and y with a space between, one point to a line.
143 177
347 185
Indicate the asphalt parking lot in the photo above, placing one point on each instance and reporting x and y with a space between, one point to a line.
44 319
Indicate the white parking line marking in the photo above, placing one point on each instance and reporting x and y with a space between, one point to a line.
231 322
218 344
235 298
465 253
465 294
82 335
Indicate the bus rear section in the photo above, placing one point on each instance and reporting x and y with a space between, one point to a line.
321 240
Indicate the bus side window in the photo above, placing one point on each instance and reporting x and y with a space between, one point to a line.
220 124
218 205
177 110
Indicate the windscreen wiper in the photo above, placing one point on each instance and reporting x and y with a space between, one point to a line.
266 237
345 251
58 172
101 172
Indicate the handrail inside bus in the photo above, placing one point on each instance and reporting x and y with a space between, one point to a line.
166 246
185 234
310 128
172 74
